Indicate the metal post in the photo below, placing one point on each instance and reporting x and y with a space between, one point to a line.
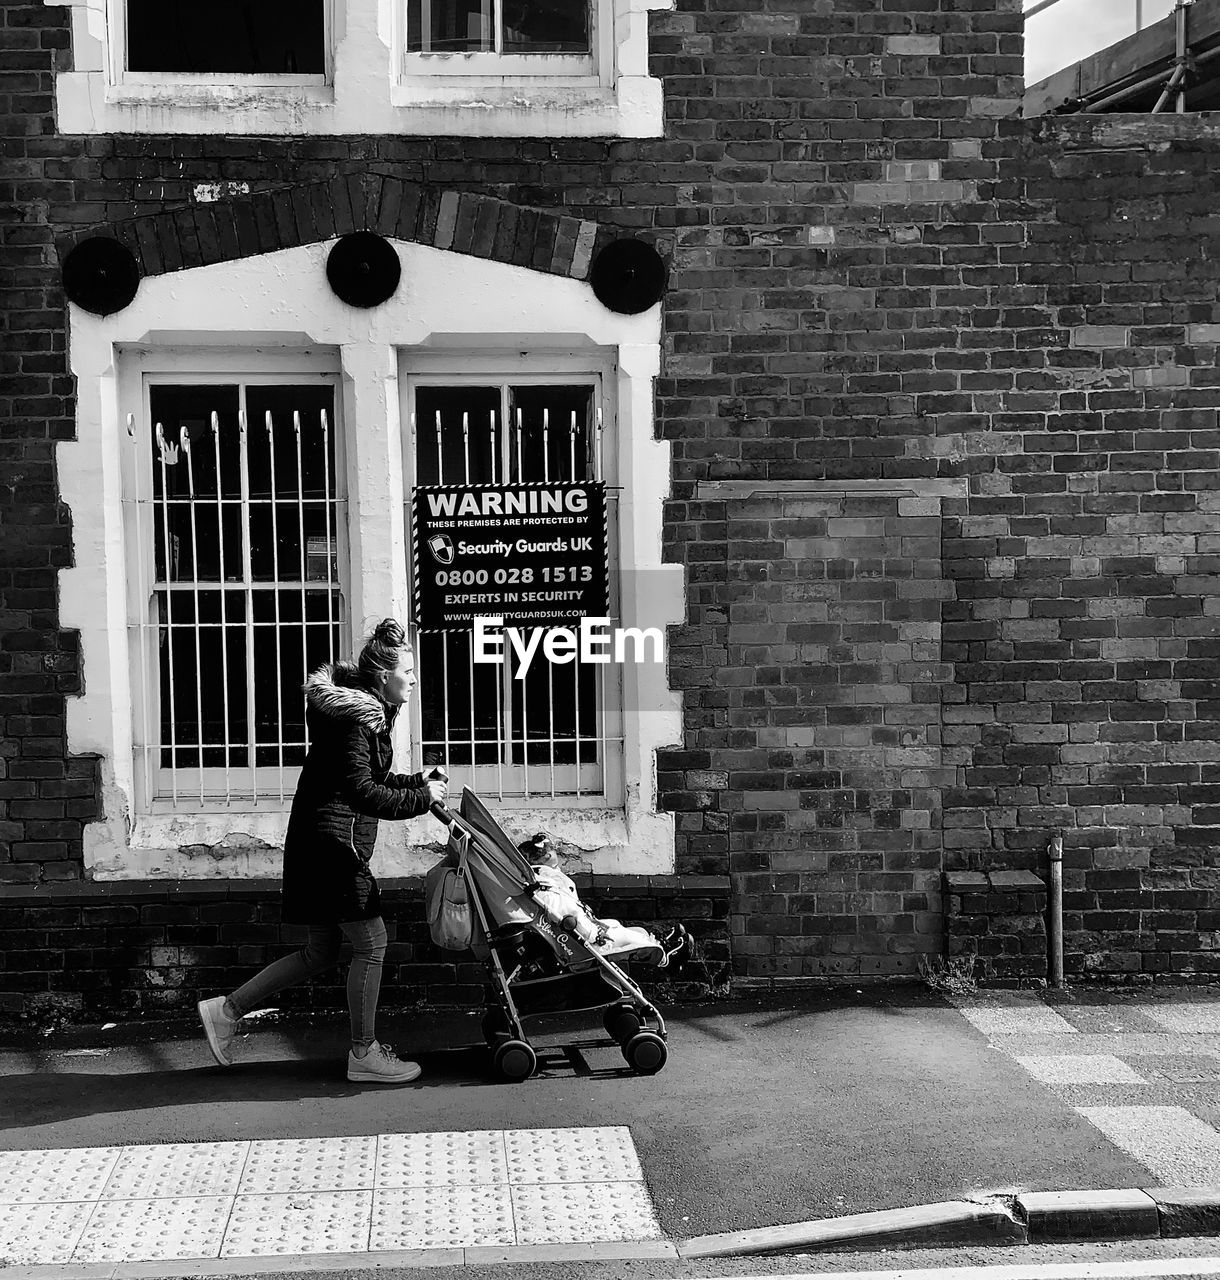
1055 940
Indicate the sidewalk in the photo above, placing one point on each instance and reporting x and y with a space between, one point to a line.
770 1111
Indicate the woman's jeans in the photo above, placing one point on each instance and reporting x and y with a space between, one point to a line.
321 951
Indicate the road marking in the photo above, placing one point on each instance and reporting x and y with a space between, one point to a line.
1028 1271
1002 1013
1079 1068
1179 1148
1200 1018
503 1188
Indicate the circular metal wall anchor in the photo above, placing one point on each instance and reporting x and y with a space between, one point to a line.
628 276
101 275
363 269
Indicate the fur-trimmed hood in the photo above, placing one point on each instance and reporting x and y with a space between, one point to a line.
336 690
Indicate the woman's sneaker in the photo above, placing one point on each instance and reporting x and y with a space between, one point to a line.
380 1066
218 1028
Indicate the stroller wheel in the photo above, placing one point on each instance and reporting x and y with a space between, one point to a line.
515 1060
645 1053
621 1022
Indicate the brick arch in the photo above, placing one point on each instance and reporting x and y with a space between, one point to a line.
287 217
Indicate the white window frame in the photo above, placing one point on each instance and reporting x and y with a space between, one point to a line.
519 69
120 74
589 786
372 86
158 790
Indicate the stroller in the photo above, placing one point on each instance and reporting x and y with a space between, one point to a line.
536 965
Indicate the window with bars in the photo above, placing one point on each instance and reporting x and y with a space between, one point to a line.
556 735
236 519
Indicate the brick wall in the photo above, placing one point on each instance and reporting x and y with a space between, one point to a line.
95 952
819 769
878 272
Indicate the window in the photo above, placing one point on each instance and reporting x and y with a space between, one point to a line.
556 733
304 68
236 528
500 37
226 37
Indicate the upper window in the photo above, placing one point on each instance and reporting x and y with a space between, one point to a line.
500 37
230 38
320 67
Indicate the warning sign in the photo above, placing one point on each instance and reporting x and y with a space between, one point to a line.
532 554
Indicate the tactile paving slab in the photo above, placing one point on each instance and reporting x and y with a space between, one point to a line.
41 1233
442 1217
559 1214
441 1159
49 1177
177 1169
304 1222
596 1154
310 1164
489 1188
148 1230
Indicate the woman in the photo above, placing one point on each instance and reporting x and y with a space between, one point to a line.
345 787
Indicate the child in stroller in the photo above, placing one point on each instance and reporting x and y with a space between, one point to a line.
559 898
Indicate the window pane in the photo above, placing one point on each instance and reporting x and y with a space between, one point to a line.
558 416
245 37
460 456
291 524
450 26
185 512
459 700
196 670
285 651
546 26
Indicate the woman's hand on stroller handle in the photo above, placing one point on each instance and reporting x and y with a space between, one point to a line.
436 785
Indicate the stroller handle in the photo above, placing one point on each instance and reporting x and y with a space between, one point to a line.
439 811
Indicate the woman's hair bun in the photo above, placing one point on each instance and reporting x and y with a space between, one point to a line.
389 631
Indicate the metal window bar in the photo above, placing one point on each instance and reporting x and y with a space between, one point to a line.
247 581
275 597
224 627
158 624
165 456
502 691
185 447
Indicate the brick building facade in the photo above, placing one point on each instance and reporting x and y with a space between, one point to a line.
937 392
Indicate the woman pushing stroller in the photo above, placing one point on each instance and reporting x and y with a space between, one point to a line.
346 787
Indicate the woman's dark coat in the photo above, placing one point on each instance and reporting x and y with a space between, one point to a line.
345 787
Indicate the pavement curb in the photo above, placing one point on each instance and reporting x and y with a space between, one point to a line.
1030 1218
953 1219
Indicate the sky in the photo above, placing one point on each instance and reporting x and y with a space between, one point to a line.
1072 29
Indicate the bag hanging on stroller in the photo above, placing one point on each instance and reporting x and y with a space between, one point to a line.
447 899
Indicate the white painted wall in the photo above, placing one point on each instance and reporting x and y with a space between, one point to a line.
281 303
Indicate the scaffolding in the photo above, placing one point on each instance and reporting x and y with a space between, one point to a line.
1171 61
